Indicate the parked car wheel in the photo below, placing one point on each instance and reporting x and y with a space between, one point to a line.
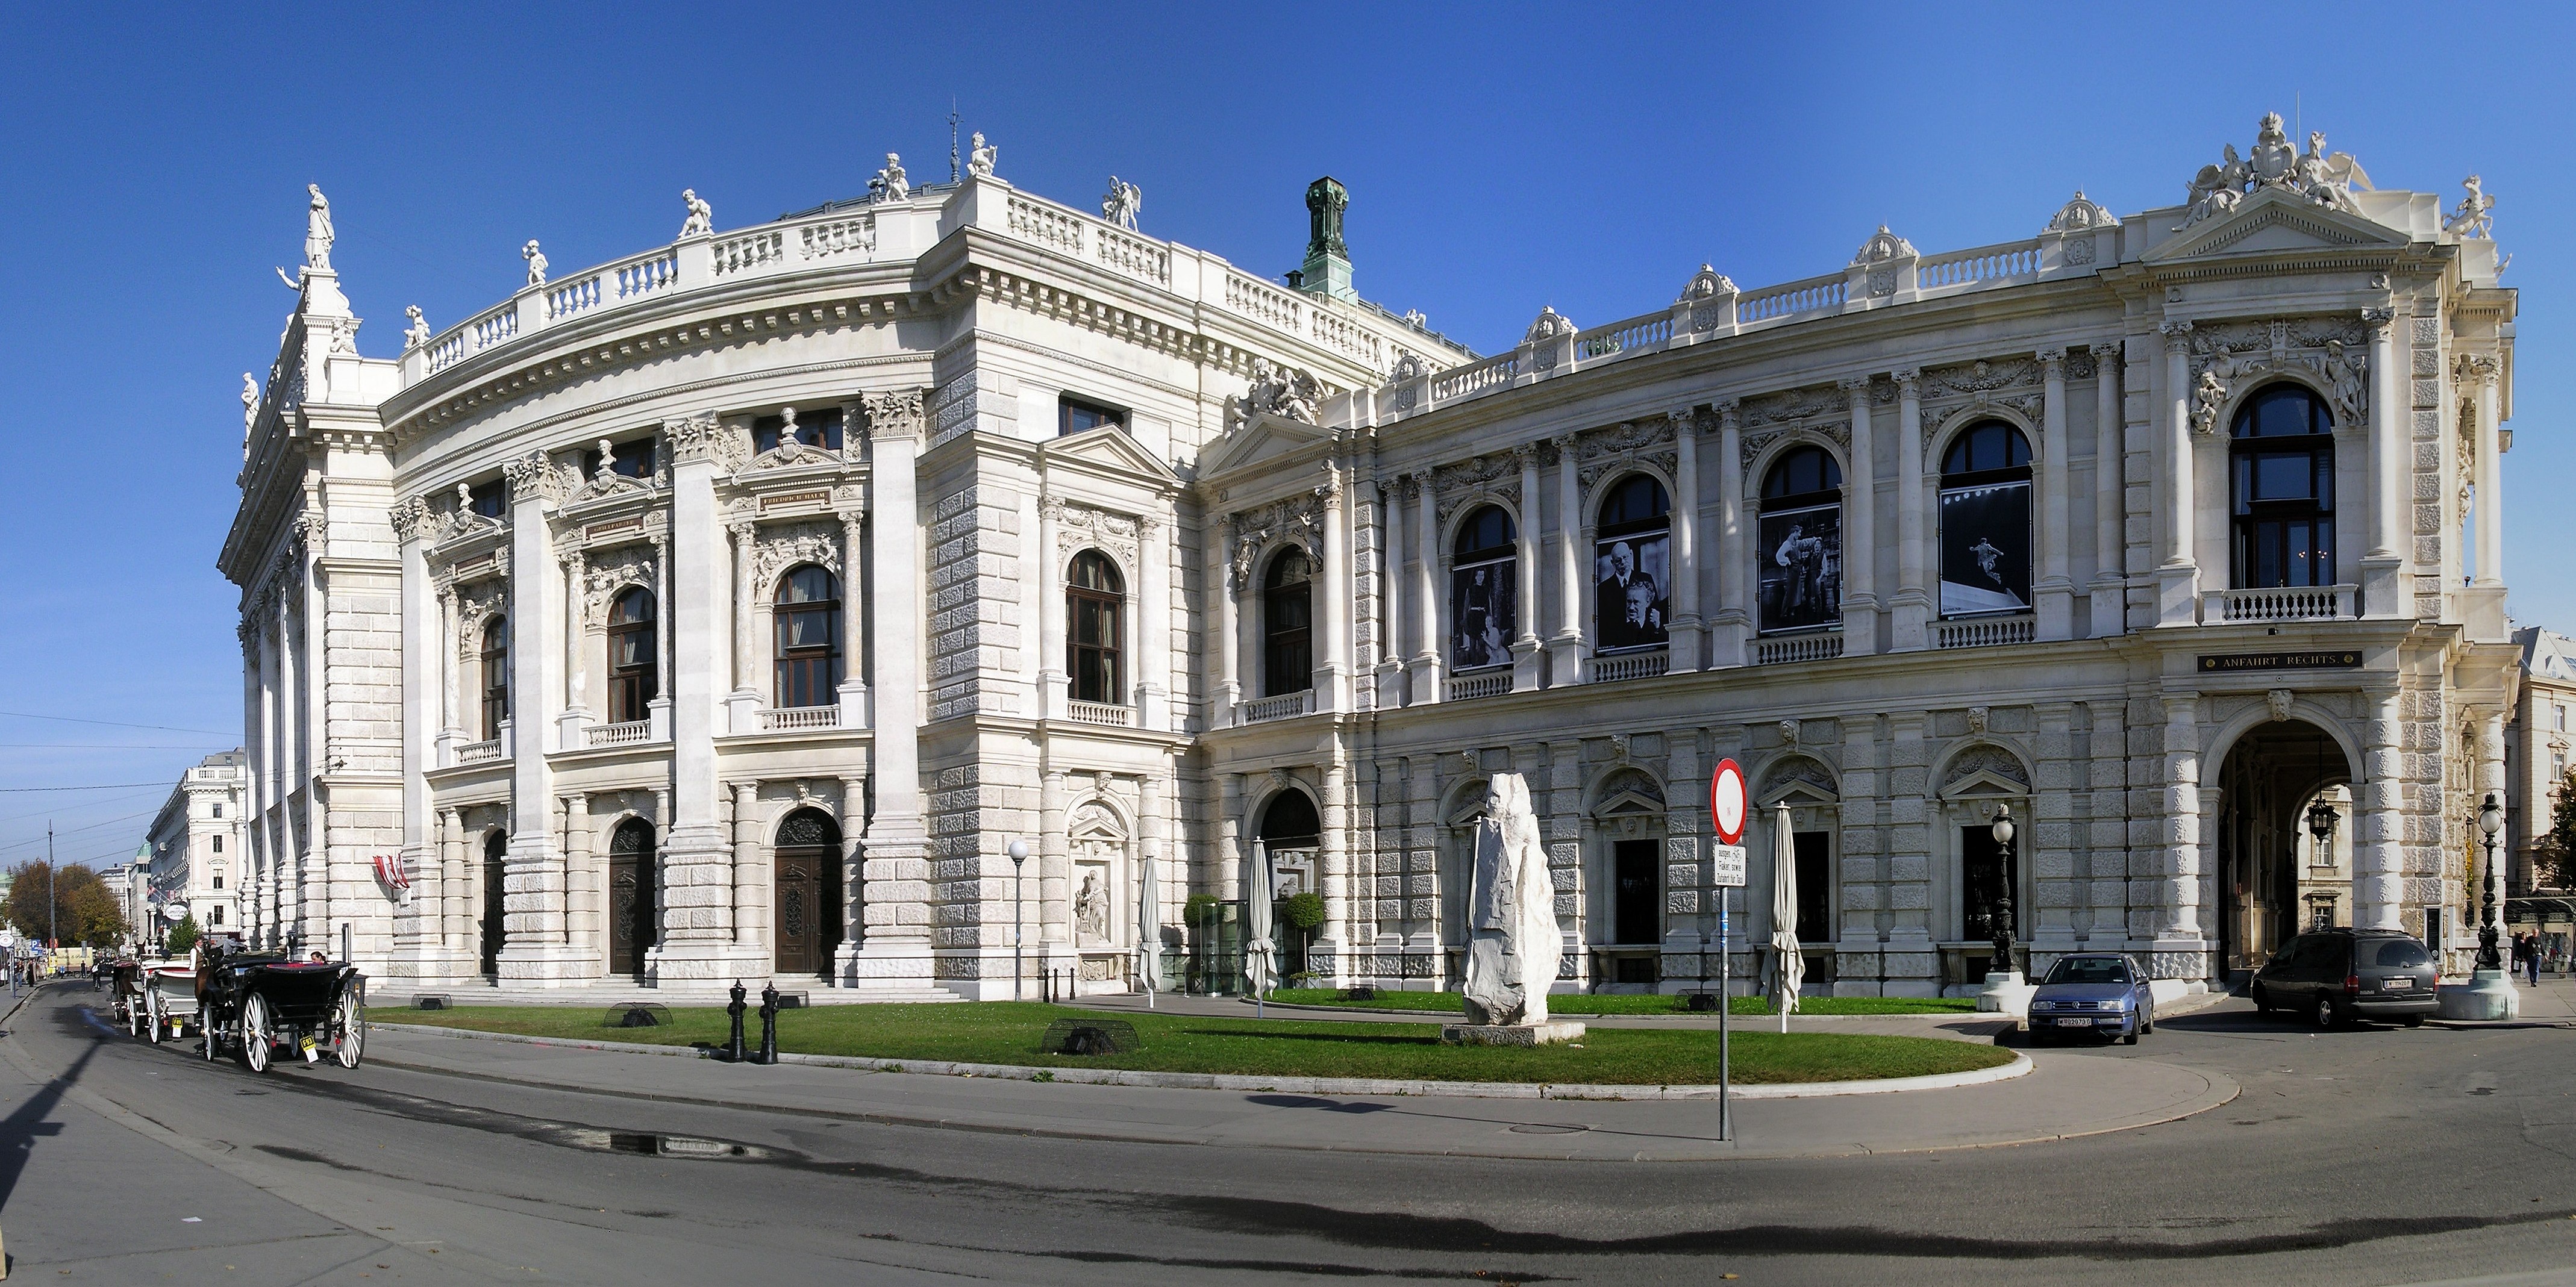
2328 1014
2128 1039
2262 1000
2413 1021
2146 1021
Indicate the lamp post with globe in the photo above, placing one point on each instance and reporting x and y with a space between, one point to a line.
1018 849
2002 963
2490 821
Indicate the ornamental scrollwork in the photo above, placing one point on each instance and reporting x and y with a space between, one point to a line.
1296 520
790 544
1079 527
636 565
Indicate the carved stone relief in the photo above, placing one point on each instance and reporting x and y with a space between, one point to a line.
2333 351
1993 761
1079 527
789 544
612 571
1297 520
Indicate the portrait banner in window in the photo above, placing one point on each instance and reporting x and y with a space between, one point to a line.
1801 554
1484 614
1985 549
1632 590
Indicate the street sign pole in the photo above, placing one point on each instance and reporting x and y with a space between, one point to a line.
1727 808
1725 1080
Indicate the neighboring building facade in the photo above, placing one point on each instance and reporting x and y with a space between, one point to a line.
2537 744
194 852
131 883
727 610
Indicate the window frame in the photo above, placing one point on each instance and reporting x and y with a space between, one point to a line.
805 671
821 428
632 686
1103 415
2261 527
1278 642
1829 495
1656 522
1503 561
494 665
1096 672
1969 480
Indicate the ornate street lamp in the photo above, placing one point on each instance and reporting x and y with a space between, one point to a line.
2321 824
2003 917
2490 821
1019 852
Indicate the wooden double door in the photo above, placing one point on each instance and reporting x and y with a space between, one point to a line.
632 871
805 893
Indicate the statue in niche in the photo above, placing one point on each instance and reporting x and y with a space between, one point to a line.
1091 909
1122 203
889 184
702 217
1512 938
317 229
536 262
982 157
417 333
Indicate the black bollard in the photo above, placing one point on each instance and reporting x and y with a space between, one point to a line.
733 1046
769 1024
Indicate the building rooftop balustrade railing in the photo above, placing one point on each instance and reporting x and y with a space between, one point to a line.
2284 603
1485 683
1823 645
1984 632
793 718
620 733
1100 713
1626 665
1284 706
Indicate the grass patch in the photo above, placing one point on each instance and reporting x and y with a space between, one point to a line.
1006 1032
1630 1003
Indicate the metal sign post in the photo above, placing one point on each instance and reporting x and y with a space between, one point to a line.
1727 808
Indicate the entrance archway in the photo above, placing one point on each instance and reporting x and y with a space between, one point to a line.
1292 834
805 893
2265 785
630 896
496 848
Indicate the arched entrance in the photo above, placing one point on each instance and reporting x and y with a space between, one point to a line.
805 892
630 896
496 848
1292 834
2265 786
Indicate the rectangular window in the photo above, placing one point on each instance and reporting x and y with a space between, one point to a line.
215 918
219 880
628 459
219 808
819 427
1073 415
1093 648
1815 888
2562 719
490 498
2558 764
219 844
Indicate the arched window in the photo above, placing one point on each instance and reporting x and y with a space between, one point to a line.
1291 836
1287 624
634 667
496 676
2281 490
1632 565
809 637
1799 547
1095 600
1985 521
1484 590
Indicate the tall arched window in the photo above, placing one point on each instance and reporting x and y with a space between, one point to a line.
2281 489
1985 521
809 637
634 667
1287 624
1632 565
1484 590
496 676
1799 547
1095 599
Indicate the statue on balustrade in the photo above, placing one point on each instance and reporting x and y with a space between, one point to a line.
889 183
536 262
702 217
1121 203
982 157
417 333
1513 943
317 229
2472 218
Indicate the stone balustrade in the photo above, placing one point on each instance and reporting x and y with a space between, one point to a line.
2290 603
1985 632
798 718
1285 706
1107 713
1628 665
621 733
1821 646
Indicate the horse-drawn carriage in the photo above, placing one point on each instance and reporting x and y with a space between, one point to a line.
123 978
257 1001
169 998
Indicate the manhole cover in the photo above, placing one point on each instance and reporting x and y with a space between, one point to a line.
1530 1128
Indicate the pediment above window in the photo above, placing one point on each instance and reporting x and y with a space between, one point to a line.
1106 449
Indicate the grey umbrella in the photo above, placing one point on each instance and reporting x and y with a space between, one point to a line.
1258 886
1784 912
1149 925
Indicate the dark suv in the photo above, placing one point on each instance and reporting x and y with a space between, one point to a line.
2335 976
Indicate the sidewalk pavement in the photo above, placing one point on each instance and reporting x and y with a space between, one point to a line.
2067 1095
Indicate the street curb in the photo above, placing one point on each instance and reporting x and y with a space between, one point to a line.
2020 1065
1711 1017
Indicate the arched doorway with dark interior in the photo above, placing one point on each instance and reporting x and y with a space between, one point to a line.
1291 833
805 924
2267 787
496 849
631 881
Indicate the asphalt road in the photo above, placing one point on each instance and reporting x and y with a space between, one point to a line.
2372 1156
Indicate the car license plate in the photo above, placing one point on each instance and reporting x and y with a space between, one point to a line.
2397 985
2075 1023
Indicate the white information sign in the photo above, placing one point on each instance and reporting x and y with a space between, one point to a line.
1726 866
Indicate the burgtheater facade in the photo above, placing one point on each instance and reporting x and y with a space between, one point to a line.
729 609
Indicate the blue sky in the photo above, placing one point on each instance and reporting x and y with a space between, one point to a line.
1499 158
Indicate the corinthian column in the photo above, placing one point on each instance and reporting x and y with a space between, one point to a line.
1684 652
743 704
1565 650
2110 495
1426 600
2489 481
1734 617
2383 587
897 868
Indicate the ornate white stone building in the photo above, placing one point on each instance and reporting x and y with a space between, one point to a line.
728 609
193 853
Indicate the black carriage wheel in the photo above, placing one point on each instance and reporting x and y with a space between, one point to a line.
152 1019
351 1019
254 1033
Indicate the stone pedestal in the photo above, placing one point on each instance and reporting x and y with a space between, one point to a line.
1510 1034
2006 994
2489 995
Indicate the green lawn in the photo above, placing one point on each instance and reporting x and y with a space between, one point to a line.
1006 1032
1631 1003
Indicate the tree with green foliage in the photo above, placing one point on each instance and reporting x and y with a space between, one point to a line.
183 935
2554 858
82 909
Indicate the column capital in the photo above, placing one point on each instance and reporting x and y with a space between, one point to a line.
2108 350
697 438
1727 411
894 414
410 519
2377 319
2177 335
1909 380
2053 360
1853 384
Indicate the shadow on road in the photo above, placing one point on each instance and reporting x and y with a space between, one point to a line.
20 1130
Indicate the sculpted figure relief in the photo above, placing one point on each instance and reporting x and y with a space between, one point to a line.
2325 178
702 217
2208 394
250 401
889 184
1286 392
2471 218
1513 942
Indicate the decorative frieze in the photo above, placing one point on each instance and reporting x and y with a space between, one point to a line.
610 572
788 544
1296 520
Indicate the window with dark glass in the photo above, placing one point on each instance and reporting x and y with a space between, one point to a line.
1094 602
1798 543
490 498
2281 490
1287 622
815 427
630 459
1985 521
1074 415
1484 590
219 843
634 663
808 609
496 676
1632 565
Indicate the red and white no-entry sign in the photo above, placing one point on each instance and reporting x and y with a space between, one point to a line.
1726 802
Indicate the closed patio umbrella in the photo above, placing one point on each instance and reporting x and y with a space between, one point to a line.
1149 926
1257 947
1784 912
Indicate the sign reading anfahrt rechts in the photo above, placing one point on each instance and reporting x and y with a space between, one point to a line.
2237 662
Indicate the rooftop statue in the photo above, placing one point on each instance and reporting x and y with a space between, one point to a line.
1326 200
1512 938
2472 218
536 262
250 402
2325 178
1285 392
417 333
317 229
982 157
1121 203
889 184
702 217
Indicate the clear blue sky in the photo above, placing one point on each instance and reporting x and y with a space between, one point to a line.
1499 158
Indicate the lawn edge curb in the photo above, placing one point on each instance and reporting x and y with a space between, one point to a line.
2019 1065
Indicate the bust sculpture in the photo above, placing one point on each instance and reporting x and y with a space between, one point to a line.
1512 938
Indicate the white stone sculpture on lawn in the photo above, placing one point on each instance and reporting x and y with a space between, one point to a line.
1512 938
702 217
